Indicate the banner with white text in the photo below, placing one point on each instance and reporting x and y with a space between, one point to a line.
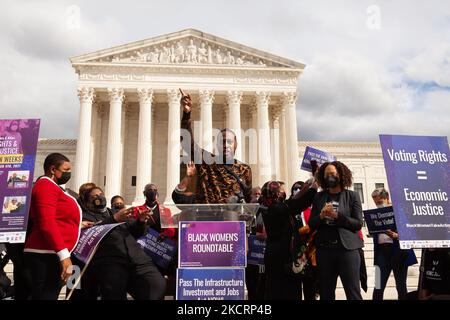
418 173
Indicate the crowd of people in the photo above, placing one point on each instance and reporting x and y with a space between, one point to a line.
312 237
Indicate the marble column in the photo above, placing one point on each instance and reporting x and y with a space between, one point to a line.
293 162
264 157
275 113
206 100
173 143
144 146
234 99
126 111
282 150
253 142
99 150
114 148
95 123
82 158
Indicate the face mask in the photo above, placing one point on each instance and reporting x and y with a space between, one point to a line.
99 203
151 196
14 128
382 205
295 191
65 177
331 181
119 207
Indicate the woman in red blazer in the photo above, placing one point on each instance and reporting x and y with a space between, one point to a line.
55 219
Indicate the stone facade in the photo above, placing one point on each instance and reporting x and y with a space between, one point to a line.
130 113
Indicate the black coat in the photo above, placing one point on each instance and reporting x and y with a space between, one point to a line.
120 244
279 224
349 221
280 228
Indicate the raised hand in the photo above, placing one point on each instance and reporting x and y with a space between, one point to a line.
190 169
186 102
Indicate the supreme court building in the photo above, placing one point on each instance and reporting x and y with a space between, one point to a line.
130 118
129 125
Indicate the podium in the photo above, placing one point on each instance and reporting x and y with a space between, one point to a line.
212 248
172 214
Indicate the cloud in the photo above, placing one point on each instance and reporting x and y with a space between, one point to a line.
55 30
36 42
432 65
436 105
345 84
346 97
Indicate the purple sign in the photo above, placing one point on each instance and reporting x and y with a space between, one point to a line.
418 172
380 220
89 240
161 252
18 144
210 284
315 154
256 249
212 244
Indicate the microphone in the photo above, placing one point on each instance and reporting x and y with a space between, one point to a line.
233 199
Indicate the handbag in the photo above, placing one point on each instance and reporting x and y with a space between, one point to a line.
305 258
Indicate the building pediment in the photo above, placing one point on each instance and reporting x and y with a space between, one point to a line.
187 47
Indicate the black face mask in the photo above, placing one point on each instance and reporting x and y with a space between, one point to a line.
119 207
151 196
99 203
331 181
65 177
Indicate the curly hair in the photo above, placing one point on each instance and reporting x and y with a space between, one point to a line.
345 175
88 193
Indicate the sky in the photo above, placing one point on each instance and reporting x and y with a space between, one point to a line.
372 67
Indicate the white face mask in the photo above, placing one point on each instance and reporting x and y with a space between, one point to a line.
383 205
295 192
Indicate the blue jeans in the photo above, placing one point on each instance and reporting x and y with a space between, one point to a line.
388 259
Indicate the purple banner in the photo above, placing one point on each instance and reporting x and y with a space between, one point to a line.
418 172
210 284
18 144
256 249
315 154
212 244
161 252
89 240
